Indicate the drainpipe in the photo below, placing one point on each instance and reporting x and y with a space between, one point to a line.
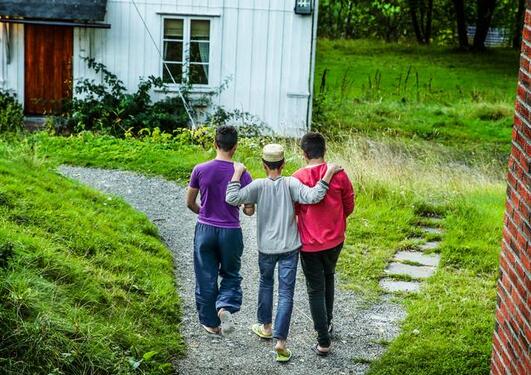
4 54
315 17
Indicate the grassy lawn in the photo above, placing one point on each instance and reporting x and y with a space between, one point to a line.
85 283
397 182
436 147
438 94
171 160
449 325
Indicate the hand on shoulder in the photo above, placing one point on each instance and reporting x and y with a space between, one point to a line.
239 168
334 168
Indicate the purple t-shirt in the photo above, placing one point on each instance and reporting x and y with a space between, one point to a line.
212 178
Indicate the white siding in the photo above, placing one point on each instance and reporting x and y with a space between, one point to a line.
14 71
260 46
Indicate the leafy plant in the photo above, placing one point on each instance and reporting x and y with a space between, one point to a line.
11 113
107 107
248 124
6 252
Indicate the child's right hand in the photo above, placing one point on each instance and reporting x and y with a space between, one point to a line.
239 168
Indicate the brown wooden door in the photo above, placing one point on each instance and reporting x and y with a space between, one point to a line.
48 54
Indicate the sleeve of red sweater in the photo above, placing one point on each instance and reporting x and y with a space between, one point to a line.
348 195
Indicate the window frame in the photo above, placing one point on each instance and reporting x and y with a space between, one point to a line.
187 30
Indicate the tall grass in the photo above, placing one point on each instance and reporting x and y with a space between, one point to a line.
425 169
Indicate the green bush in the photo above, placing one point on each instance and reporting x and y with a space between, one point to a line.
11 113
108 108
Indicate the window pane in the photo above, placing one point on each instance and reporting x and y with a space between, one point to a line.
173 29
199 74
200 30
199 52
173 51
175 69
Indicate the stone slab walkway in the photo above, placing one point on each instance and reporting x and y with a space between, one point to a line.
415 265
359 328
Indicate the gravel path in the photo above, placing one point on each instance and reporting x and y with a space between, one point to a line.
358 328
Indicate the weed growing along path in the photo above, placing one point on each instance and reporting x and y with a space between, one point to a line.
361 330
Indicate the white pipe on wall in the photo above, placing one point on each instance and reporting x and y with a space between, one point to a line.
3 51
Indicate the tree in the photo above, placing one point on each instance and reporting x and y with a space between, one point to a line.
460 17
421 19
485 10
388 15
519 24
348 24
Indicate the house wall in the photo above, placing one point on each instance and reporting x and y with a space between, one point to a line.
12 71
512 336
261 47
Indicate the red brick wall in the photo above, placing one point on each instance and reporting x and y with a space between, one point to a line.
512 335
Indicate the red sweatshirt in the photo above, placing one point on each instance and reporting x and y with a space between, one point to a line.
322 226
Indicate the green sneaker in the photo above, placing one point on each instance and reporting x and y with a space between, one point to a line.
283 355
258 330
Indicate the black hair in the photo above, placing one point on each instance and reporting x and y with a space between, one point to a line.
273 164
313 145
226 137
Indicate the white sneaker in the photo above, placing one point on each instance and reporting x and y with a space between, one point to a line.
227 322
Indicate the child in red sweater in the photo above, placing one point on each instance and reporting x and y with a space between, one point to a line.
322 229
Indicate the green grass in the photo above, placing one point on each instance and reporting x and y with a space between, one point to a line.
461 100
86 286
381 222
171 160
174 161
449 325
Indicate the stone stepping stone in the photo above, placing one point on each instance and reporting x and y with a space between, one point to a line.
415 272
431 245
393 286
432 230
418 257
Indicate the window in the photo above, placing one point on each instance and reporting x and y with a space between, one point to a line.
186 50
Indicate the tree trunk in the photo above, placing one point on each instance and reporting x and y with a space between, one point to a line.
518 25
459 7
348 26
339 23
423 26
330 18
485 9
414 20
429 19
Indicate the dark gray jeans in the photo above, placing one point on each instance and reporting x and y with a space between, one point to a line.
319 269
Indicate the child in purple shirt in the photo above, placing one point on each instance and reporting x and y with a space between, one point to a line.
218 241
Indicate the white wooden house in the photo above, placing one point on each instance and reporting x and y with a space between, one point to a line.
263 49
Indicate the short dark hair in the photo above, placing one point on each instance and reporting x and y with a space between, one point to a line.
273 164
226 137
313 145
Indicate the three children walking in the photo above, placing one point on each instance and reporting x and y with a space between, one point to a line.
304 214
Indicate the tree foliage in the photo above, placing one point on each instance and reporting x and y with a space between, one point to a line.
426 21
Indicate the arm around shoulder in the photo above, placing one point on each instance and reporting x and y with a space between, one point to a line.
303 194
236 195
